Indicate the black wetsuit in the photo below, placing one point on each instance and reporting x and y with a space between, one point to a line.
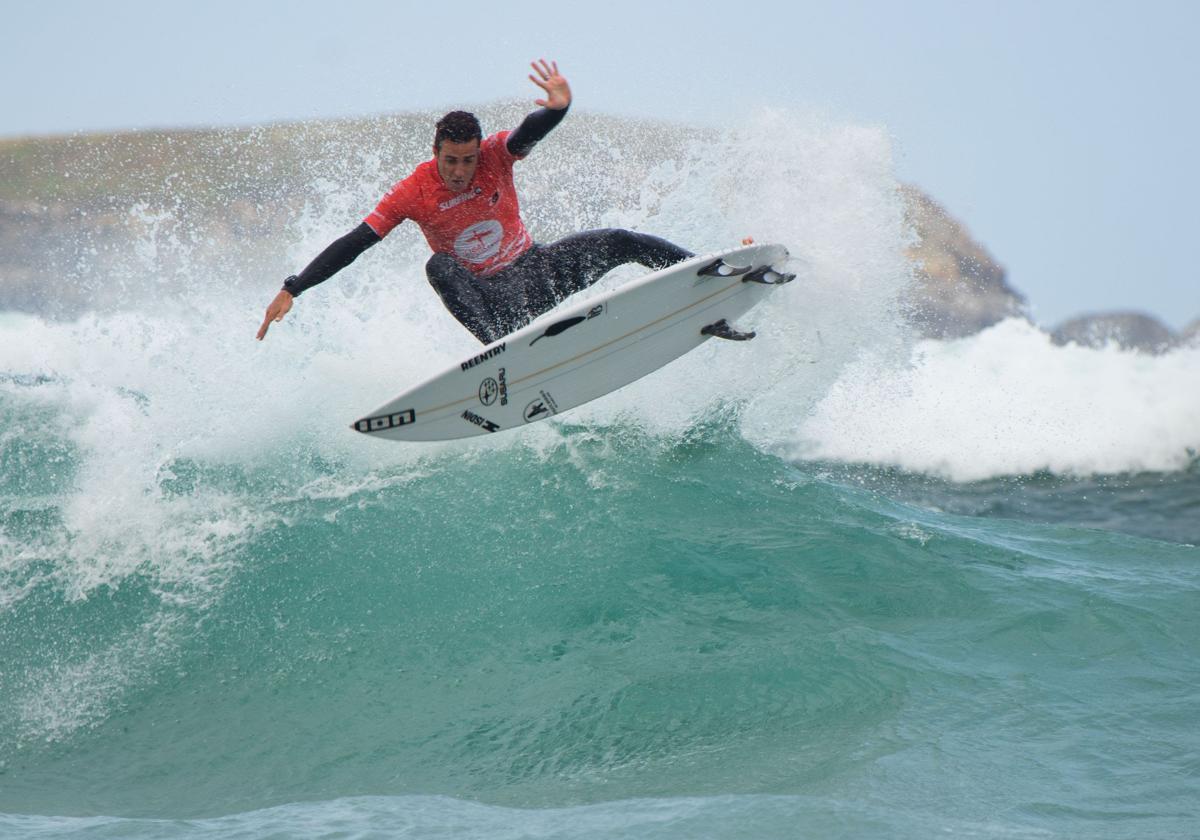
494 306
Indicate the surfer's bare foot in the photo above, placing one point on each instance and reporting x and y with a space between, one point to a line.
747 240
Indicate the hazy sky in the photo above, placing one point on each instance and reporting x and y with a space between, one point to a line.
1064 134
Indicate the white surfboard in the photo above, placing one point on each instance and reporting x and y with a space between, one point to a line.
578 353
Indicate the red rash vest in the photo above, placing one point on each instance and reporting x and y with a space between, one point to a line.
481 225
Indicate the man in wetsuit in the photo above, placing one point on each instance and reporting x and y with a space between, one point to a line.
485 267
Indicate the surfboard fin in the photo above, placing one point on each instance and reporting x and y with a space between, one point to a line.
721 329
720 268
768 277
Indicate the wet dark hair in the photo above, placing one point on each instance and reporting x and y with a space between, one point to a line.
457 127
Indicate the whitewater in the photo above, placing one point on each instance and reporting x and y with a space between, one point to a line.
839 581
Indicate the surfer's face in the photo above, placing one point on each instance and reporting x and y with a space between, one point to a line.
456 163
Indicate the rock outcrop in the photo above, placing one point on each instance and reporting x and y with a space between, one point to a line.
1128 330
960 288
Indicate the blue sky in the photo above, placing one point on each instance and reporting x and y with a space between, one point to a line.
1064 134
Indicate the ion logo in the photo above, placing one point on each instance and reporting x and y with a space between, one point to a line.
386 421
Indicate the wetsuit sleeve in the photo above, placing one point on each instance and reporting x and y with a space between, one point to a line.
333 259
533 129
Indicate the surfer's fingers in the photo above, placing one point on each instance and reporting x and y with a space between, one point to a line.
275 312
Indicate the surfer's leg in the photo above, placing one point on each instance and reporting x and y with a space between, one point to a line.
460 292
581 259
545 275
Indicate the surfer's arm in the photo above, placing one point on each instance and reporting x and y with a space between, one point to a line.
554 107
340 253
532 130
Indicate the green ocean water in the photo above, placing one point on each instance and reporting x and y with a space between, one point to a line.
834 582
609 626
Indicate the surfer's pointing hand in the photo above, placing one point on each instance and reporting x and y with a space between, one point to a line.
275 312
558 92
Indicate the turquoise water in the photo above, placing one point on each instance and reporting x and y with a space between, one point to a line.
835 583
662 638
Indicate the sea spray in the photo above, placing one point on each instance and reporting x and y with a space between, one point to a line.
652 614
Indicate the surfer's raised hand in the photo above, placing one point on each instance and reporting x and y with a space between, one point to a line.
546 76
275 312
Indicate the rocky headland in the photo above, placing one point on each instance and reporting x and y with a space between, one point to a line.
961 289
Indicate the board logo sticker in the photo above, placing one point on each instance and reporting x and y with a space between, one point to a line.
386 421
491 388
560 327
543 406
482 422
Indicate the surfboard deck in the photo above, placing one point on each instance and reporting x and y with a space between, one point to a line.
574 354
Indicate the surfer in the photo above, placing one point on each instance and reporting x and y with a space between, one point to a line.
486 268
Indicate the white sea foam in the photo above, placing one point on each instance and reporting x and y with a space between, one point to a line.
69 694
826 191
1008 402
162 379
